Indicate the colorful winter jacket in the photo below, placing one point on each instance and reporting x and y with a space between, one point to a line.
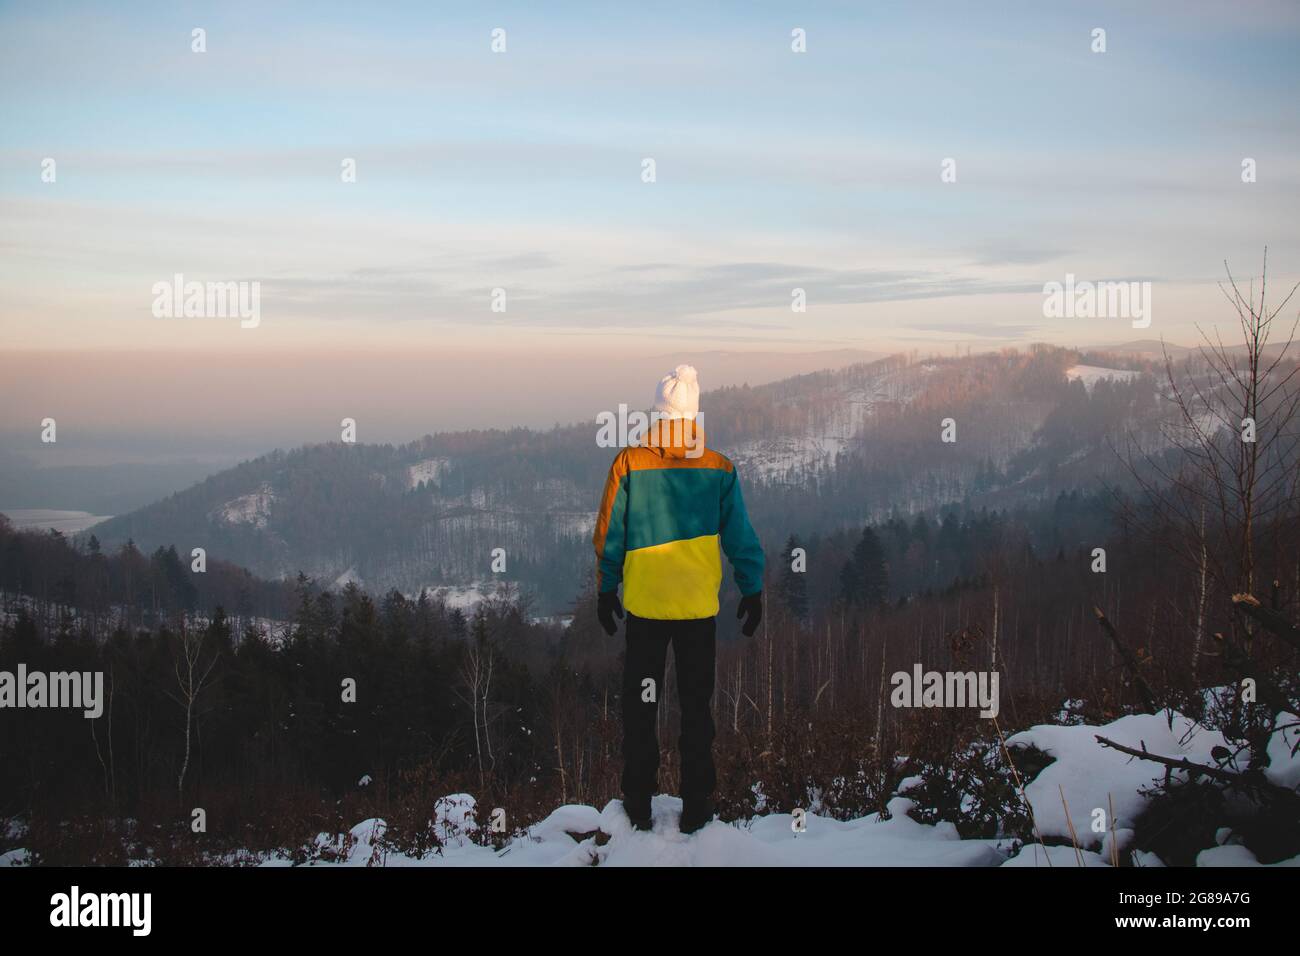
669 502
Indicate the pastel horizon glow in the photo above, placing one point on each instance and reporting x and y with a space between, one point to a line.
522 171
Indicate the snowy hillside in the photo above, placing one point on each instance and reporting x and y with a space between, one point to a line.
428 470
251 509
855 443
845 409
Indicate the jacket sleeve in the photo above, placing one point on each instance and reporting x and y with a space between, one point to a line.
739 541
610 537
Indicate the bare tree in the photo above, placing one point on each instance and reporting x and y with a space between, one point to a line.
475 685
109 768
560 705
1222 480
735 693
191 679
1229 451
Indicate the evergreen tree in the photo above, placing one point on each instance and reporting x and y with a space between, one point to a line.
792 588
864 580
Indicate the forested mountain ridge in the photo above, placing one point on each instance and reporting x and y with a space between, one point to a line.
1095 613
818 453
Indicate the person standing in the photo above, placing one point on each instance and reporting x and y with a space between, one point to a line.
670 505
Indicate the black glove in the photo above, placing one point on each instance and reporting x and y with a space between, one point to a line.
609 607
751 609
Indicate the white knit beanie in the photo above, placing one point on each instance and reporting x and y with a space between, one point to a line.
678 395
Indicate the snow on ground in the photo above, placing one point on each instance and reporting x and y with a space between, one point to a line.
349 576
1084 772
1205 424
12 604
767 841
1037 855
252 509
1236 855
790 457
1283 754
551 620
430 469
67 522
466 597
787 456
1090 375
11 830
1086 776
572 524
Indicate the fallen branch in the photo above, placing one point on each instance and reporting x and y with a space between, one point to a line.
1179 763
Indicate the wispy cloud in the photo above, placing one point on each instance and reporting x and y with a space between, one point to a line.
522 171
659 292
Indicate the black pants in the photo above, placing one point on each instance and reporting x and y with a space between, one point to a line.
647 650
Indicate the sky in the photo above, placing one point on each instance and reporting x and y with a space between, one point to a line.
522 171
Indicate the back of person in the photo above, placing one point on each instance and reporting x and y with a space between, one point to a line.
676 502
670 506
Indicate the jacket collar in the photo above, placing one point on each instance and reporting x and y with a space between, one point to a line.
675 438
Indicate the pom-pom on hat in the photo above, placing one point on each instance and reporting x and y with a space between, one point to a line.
678 394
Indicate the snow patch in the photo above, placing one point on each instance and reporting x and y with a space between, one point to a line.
466 597
430 470
789 457
577 835
1090 375
1283 757
1037 855
252 509
1086 776
349 576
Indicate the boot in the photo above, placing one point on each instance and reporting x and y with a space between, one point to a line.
695 815
638 811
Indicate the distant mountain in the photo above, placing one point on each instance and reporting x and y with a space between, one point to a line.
98 489
1155 350
43 519
726 367
817 452
1144 348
